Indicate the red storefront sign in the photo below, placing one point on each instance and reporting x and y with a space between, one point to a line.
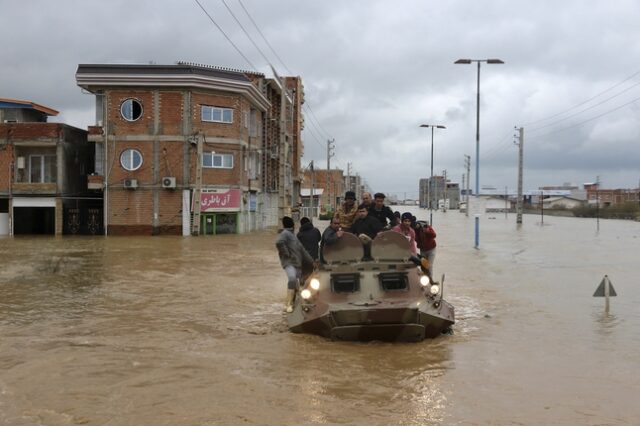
222 200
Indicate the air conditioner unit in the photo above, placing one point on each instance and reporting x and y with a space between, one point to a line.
168 182
131 183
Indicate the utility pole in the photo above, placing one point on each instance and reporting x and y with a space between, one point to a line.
520 144
463 177
349 177
330 153
197 190
598 203
506 202
467 159
313 190
445 192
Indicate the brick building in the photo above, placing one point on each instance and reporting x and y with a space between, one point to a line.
189 148
610 197
43 168
330 188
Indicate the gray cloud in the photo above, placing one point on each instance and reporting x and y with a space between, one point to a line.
374 71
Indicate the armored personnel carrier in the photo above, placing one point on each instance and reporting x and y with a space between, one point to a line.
386 296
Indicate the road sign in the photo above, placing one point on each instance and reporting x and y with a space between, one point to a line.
605 289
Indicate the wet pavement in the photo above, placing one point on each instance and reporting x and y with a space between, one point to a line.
189 331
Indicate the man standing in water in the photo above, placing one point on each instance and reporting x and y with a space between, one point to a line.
293 257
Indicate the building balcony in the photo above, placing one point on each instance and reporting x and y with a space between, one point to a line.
95 182
24 188
95 130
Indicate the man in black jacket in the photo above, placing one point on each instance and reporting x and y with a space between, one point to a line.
366 227
365 224
309 236
382 212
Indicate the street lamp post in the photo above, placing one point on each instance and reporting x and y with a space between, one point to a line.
433 126
477 194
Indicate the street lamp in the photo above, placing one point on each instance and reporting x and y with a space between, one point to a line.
477 194
433 126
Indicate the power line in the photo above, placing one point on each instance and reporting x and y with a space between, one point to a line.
245 32
585 109
583 102
313 115
263 37
226 36
306 104
588 120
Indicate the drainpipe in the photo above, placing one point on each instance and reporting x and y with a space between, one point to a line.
105 132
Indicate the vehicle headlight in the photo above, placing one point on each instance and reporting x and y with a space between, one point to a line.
434 289
305 293
314 283
424 280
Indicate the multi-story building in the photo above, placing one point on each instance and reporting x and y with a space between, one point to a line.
438 193
189 148
43 169
329 186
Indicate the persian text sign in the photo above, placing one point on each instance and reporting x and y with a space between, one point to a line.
222 200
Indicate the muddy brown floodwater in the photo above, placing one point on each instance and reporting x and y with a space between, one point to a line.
189 331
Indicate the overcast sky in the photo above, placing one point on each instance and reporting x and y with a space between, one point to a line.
374 71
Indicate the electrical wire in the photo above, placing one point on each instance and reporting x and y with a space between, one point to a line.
586 121
246 33
535 129
263 37
583 102
226 36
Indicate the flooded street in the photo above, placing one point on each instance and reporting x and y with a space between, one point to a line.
190 331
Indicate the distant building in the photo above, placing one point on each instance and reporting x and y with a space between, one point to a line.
43 174
564 202
610 197
438 192
331 185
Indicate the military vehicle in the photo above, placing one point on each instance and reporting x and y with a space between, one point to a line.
386 296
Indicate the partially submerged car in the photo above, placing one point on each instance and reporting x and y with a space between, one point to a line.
388 296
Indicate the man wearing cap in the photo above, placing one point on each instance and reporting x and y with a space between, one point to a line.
293 257
381 212
405 229
347 211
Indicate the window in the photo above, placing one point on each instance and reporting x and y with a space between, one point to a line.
131 109
216 114
217 161
99 159
131 159
345 283
42 169
253 123
393 281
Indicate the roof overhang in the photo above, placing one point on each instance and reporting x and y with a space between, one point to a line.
16 103
97 77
